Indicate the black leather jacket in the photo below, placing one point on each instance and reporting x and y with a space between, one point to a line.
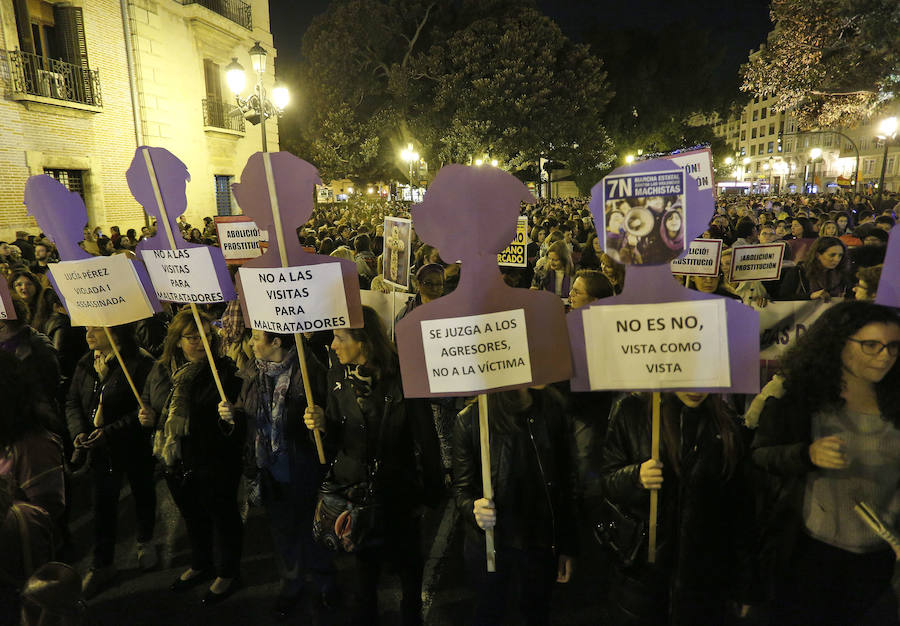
546 434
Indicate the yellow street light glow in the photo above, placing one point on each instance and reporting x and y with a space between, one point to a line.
728 160
629 159
350 190
815 153
888 127
479 162
494 162
370 191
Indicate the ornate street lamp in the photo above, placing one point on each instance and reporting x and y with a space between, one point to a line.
256 108
814 155
410 156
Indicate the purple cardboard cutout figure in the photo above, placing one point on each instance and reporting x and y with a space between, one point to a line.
294 184
889 285
470 213
7 312
654 284
171 177
61 214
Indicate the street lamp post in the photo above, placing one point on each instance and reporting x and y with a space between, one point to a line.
729 162
256 104
410 156
887 131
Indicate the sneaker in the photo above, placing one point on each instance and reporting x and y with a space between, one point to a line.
147 556
97 579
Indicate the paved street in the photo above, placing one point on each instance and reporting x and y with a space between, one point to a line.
144 598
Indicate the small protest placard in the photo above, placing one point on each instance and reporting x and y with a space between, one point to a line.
515 254
295 299
697 164
239 237
7 312
183 275
397 247
639 346
702 259
760 262
101 291
474 352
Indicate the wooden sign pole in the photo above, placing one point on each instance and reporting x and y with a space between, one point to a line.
171 237
654 493
119 358
486 485
298 337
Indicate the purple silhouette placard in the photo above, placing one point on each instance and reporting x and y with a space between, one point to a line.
181 271
7 312
96 291
696 341
484 336
889 285
289 290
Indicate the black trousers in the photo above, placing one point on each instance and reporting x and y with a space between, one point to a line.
108 471
828 586
208 503
402 554
530 573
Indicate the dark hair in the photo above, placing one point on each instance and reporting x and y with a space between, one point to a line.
288 341
812 266
16 411
813 368
37 311
125 339
872 276
504 406
722 417
362 243
744 228
380 353
885 219
596 283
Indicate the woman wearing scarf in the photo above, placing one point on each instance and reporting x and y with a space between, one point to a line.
201 452
283 455
101 413
371 425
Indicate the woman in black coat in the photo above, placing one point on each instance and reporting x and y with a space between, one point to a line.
533 509
201 451
706 534
379 437
102 415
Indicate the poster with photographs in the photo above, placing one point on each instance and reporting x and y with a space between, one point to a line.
397 243
644 216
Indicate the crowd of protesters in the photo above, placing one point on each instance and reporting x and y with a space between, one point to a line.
756 517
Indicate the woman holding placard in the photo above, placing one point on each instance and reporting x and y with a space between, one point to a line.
533 508
102 415
202 452
830 441
387 456
706 538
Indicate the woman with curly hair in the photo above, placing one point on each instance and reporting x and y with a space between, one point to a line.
830 440
824 273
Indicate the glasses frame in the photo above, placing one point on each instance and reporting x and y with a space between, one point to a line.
893 347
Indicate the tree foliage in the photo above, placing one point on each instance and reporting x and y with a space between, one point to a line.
834 61
457 78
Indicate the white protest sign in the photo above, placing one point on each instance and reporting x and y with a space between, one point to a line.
239 238
471 353
702 259
295 299
698 165
103 291
639 346
515 254
3 314
762 262
184 275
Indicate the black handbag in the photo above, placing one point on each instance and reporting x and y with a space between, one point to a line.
623 534
352 518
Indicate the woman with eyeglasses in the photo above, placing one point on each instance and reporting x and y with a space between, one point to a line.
831 440
201 451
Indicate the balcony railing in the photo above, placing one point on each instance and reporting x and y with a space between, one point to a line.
217 114
50 78
235 10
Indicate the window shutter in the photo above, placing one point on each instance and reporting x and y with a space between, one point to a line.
213 77
23 26
72 46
